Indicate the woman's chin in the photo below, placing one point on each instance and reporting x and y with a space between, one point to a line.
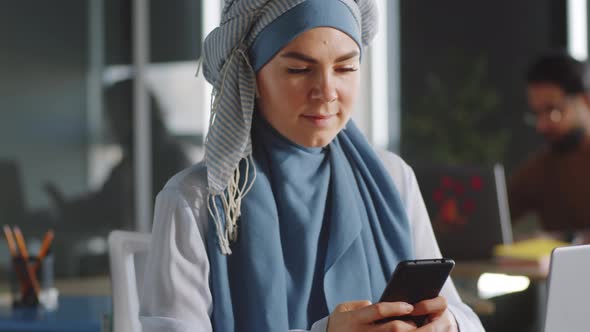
317 141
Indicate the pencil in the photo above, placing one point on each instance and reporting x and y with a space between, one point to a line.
10 241
20 241
20 274
45 246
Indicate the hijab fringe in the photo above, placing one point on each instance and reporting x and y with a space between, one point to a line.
231 200
231 197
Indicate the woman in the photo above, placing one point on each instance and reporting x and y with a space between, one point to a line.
292 221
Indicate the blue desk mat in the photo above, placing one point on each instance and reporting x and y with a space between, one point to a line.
74 314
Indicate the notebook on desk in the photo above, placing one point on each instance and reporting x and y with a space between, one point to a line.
568 290
468 207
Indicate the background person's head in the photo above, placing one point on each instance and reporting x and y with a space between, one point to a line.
557 87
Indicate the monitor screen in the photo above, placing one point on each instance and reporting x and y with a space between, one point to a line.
468 208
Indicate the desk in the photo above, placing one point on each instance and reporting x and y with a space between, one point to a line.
473 269
74 314
94 286
82 304
537 274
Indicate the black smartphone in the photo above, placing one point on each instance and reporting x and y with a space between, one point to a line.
414 281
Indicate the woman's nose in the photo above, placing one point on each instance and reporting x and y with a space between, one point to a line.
325 89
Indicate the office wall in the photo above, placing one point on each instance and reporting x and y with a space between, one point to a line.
45 125
43 89
42 92
175 30
441 39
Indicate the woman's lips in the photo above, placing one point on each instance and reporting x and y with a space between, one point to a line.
319 119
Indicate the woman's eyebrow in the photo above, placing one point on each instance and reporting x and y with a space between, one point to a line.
307 58
347 56
299 56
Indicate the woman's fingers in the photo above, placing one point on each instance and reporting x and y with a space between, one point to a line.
360 316
443 323
395 326
430 307
353 305
378 311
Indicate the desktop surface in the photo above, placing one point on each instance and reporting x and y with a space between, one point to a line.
74 313
474 269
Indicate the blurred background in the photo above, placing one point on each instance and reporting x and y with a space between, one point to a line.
76 124
101 101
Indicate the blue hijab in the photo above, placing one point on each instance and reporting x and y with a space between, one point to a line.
320 226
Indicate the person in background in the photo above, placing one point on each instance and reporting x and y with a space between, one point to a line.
292 221
554 183
112 205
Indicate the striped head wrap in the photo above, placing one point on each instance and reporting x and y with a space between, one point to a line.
231 58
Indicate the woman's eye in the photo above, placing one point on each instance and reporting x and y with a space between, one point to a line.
297 70
347 69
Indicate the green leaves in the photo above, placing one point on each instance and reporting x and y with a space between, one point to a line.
458 120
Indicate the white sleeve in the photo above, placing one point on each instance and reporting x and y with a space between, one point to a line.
175 296
425 245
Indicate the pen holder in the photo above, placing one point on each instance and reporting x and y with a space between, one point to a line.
23 291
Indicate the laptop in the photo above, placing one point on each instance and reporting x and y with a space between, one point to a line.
468 207
568 295
12 203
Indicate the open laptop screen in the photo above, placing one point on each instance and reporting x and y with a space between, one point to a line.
468 207
568 308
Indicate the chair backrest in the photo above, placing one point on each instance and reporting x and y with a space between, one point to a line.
127 253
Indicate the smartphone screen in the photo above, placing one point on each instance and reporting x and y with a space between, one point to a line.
417 280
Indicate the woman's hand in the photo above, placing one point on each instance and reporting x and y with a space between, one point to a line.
439 318
361 316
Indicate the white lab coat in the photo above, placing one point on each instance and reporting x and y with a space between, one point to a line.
175 295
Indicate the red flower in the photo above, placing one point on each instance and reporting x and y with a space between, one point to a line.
446 182
476 183
468 206
437 195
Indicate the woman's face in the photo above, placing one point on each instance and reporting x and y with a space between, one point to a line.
307 91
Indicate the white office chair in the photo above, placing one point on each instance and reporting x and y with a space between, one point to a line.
127 252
